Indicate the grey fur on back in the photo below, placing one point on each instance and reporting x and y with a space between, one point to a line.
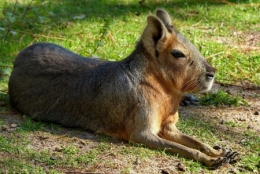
50 83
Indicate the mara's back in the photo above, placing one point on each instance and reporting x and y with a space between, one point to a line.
50 83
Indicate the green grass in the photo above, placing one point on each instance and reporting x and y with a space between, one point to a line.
221 98
109 29
208 131
29 125
21 157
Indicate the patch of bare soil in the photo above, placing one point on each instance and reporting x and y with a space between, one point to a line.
113 160
243 40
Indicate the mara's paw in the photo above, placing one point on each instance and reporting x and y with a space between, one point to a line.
217 162
188 100
231 156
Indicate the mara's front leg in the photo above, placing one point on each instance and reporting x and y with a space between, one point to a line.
148 138
170 132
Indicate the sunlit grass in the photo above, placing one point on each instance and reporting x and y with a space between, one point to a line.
110 29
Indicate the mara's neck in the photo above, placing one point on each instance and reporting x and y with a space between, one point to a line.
145 66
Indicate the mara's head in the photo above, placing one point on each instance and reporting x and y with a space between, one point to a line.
175 60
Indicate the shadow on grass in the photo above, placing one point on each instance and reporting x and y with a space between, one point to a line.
194 124
197 124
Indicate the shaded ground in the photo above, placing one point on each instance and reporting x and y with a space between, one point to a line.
114 156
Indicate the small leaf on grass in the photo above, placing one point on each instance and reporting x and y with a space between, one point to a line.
10 17
6 72
82 16
100 44
13 32
51 13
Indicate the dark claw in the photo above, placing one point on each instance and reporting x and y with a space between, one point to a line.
218 162
234 155
231 156
227 160
234 158
228 154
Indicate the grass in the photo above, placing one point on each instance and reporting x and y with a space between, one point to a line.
19 156
110 29
222 30
207 131
221 98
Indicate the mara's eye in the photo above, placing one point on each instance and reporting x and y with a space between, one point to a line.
177 54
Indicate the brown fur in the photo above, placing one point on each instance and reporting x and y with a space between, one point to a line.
135 99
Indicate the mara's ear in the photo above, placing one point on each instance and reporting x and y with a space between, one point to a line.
164 17
155 35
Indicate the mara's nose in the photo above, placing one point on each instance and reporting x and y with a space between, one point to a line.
210 75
